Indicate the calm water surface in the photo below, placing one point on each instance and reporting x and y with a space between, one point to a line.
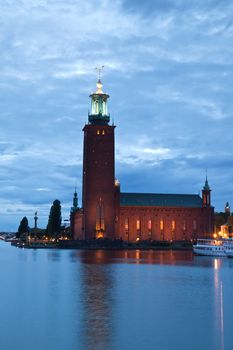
75 300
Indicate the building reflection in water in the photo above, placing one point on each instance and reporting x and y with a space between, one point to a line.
97 300
218 302
99 275
98 289
138 257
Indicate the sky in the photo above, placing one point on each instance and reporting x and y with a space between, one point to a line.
169 74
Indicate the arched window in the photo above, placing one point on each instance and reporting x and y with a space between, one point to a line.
149 225
194 225
184 225
138 224
96 106
126 224
173 225
161 225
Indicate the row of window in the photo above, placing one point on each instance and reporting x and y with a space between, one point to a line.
158 212
161 225
100 132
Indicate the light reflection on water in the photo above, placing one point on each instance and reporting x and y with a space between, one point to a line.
84 300
97 307
218 303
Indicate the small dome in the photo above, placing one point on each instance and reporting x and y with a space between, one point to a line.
99 86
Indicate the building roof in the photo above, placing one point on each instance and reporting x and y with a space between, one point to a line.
160 200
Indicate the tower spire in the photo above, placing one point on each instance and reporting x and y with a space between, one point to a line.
75 201
206 202
35 220
227 208
206 186
99 69
99 111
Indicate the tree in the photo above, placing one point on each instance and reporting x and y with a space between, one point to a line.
23 227
54 222
220 219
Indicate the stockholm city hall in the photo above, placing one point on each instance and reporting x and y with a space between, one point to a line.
108 213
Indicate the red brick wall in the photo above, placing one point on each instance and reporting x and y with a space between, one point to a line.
98 178
183 219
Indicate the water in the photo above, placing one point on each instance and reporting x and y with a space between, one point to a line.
97 300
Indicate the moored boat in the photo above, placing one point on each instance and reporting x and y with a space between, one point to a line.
210 247
228 247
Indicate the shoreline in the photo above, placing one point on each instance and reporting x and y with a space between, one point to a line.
105 245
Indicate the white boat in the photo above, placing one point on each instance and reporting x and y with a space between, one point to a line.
210 247
228 247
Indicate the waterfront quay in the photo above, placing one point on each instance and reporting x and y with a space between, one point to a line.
102 244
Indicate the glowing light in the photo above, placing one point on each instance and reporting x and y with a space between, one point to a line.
216 264
137 239
117 182
99 234
99 86
215 235
161 225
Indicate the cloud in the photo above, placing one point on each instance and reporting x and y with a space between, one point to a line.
168 69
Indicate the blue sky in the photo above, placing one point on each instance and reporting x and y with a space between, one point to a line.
168 70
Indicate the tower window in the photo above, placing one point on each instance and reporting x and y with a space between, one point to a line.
184 225
103 132
173 225
149 225
161 225
194 225
138 224
96 106
98 132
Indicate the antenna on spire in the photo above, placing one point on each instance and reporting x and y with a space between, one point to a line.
75 188
99 69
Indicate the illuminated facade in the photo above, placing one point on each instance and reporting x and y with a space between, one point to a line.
108 213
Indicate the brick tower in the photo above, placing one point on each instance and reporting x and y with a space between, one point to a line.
98 170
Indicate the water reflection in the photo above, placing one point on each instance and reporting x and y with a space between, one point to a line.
114 300
218 302
158 257
97 301
134 257
54 255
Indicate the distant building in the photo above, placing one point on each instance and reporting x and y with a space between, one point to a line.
227 208
226 228
108 213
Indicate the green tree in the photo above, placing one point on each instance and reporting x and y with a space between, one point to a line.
54 222
23 227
